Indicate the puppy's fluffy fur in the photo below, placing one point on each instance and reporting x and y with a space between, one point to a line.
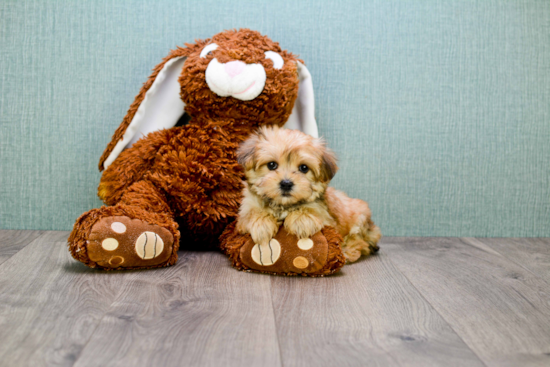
287 175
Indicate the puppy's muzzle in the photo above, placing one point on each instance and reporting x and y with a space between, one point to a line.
286 186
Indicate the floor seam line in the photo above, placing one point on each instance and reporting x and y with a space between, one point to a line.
275 321
435 309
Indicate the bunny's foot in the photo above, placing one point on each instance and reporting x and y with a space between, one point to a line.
124 242
285 254
124 238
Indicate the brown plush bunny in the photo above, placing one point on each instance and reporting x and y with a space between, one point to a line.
160 174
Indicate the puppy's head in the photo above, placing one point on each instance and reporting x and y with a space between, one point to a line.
286 167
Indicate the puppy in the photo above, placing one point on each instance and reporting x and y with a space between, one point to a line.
287 177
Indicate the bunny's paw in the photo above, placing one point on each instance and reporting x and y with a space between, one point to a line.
287 255
121 242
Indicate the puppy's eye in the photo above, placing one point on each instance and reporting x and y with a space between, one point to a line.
208 49
303 168
272 166
278 61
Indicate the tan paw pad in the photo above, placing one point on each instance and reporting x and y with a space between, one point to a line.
118 227
116 260
109 244
305 244
149 245
300 262
267 254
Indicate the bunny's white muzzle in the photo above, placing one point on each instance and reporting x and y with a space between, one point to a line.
235 79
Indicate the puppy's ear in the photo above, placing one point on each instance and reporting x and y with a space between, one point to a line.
246 152
328 164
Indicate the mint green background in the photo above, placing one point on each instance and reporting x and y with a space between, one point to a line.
438 110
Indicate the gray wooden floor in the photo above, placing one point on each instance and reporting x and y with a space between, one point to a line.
419 302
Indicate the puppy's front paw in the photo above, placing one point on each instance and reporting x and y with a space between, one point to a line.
303 225
262 228
262 235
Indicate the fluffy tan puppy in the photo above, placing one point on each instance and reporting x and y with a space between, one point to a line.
287 175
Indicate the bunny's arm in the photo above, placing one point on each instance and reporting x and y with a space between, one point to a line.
130 166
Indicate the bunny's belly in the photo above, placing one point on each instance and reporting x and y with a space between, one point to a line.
202 180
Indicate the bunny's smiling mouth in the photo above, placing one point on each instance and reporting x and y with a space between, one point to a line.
244 84
246 90
250 86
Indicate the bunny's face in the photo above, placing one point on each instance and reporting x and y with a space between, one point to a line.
241 75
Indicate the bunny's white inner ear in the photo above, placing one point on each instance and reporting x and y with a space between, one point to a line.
160 109
303 114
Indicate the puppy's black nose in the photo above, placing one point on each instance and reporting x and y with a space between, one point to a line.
286 185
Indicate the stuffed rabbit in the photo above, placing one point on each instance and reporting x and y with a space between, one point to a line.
170 172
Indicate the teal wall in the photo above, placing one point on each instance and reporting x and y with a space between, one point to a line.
439 110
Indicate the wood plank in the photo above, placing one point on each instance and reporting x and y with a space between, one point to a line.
50 304
11 241
532 254
200 312
501 310
370 315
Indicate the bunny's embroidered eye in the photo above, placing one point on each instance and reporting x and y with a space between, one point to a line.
209 48
276 58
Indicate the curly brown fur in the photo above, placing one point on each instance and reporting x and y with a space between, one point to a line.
201 182
231 242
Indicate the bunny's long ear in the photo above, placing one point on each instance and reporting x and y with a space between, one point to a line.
303 114
157 106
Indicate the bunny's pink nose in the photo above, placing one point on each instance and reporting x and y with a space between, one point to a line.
234 68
